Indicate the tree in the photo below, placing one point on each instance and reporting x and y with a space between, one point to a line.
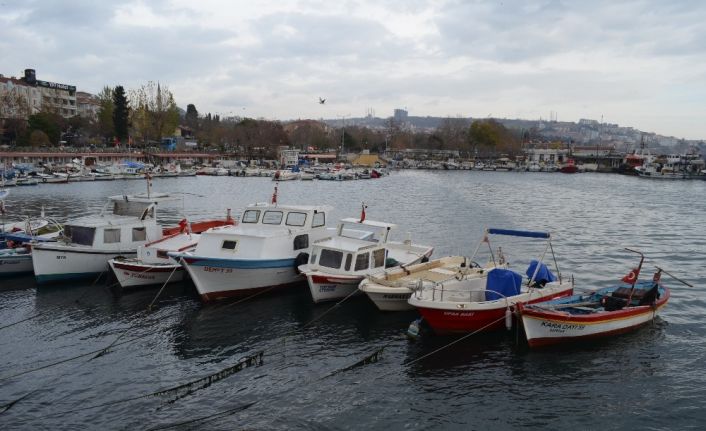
191 118
38 139
48 122
121 114
490 138
105 113
155 112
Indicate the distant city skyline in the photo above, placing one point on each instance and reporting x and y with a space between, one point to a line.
638 64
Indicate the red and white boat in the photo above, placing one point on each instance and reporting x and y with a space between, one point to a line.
152 264
486 303
606 312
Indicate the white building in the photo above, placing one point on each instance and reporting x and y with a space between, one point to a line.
37 96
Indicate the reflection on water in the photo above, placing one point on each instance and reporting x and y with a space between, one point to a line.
654 378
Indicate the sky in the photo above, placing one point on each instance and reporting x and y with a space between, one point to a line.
638 63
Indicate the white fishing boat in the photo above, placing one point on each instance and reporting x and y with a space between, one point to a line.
285 176
391 289
152 264
261 252
89 242
339 263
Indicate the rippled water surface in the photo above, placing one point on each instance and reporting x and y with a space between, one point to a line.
652 379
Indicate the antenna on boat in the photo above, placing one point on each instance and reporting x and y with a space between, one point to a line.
148 177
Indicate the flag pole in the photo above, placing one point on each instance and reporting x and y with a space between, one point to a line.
639 267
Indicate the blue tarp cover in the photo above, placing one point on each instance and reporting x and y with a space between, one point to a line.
544 275
503 281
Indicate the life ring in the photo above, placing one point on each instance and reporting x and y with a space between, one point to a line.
630 277
44 180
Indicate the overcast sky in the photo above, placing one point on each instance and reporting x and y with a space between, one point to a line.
635 63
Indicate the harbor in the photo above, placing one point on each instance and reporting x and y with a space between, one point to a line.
307 374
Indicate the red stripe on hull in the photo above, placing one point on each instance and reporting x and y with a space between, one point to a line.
137 268
334 279
217 296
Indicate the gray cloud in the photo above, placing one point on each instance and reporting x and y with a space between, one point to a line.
639 63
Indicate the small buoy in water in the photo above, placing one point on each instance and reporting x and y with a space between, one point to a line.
413 330
508 319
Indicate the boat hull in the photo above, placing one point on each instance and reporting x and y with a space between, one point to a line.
52 263
328 287
15 264
481 316
130 273
545 328
225 278
389 298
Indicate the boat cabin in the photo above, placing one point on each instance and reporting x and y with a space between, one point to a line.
131 224
359 246
266 230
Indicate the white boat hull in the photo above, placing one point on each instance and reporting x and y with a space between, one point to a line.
131 273
328 287
53 263
223 278
388 298
543 331
15 264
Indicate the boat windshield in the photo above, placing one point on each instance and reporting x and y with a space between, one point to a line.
80 234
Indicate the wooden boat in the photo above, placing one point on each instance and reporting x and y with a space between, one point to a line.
338 264
391 290
484 303
604 313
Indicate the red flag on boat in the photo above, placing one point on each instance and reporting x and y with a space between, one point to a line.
274 195
631 278
362 214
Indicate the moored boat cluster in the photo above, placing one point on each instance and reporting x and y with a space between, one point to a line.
275 246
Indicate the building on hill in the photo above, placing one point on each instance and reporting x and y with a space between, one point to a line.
38 95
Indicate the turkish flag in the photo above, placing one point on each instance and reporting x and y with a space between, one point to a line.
631 278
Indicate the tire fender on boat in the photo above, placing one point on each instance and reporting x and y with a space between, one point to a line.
301 259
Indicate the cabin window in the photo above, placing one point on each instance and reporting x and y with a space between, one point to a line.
361 261
111 236
349 259
319 219
229 245
378 258
80 235
250 216
331 258
301 241
139 234
162 254
272 217
312 259
295 219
